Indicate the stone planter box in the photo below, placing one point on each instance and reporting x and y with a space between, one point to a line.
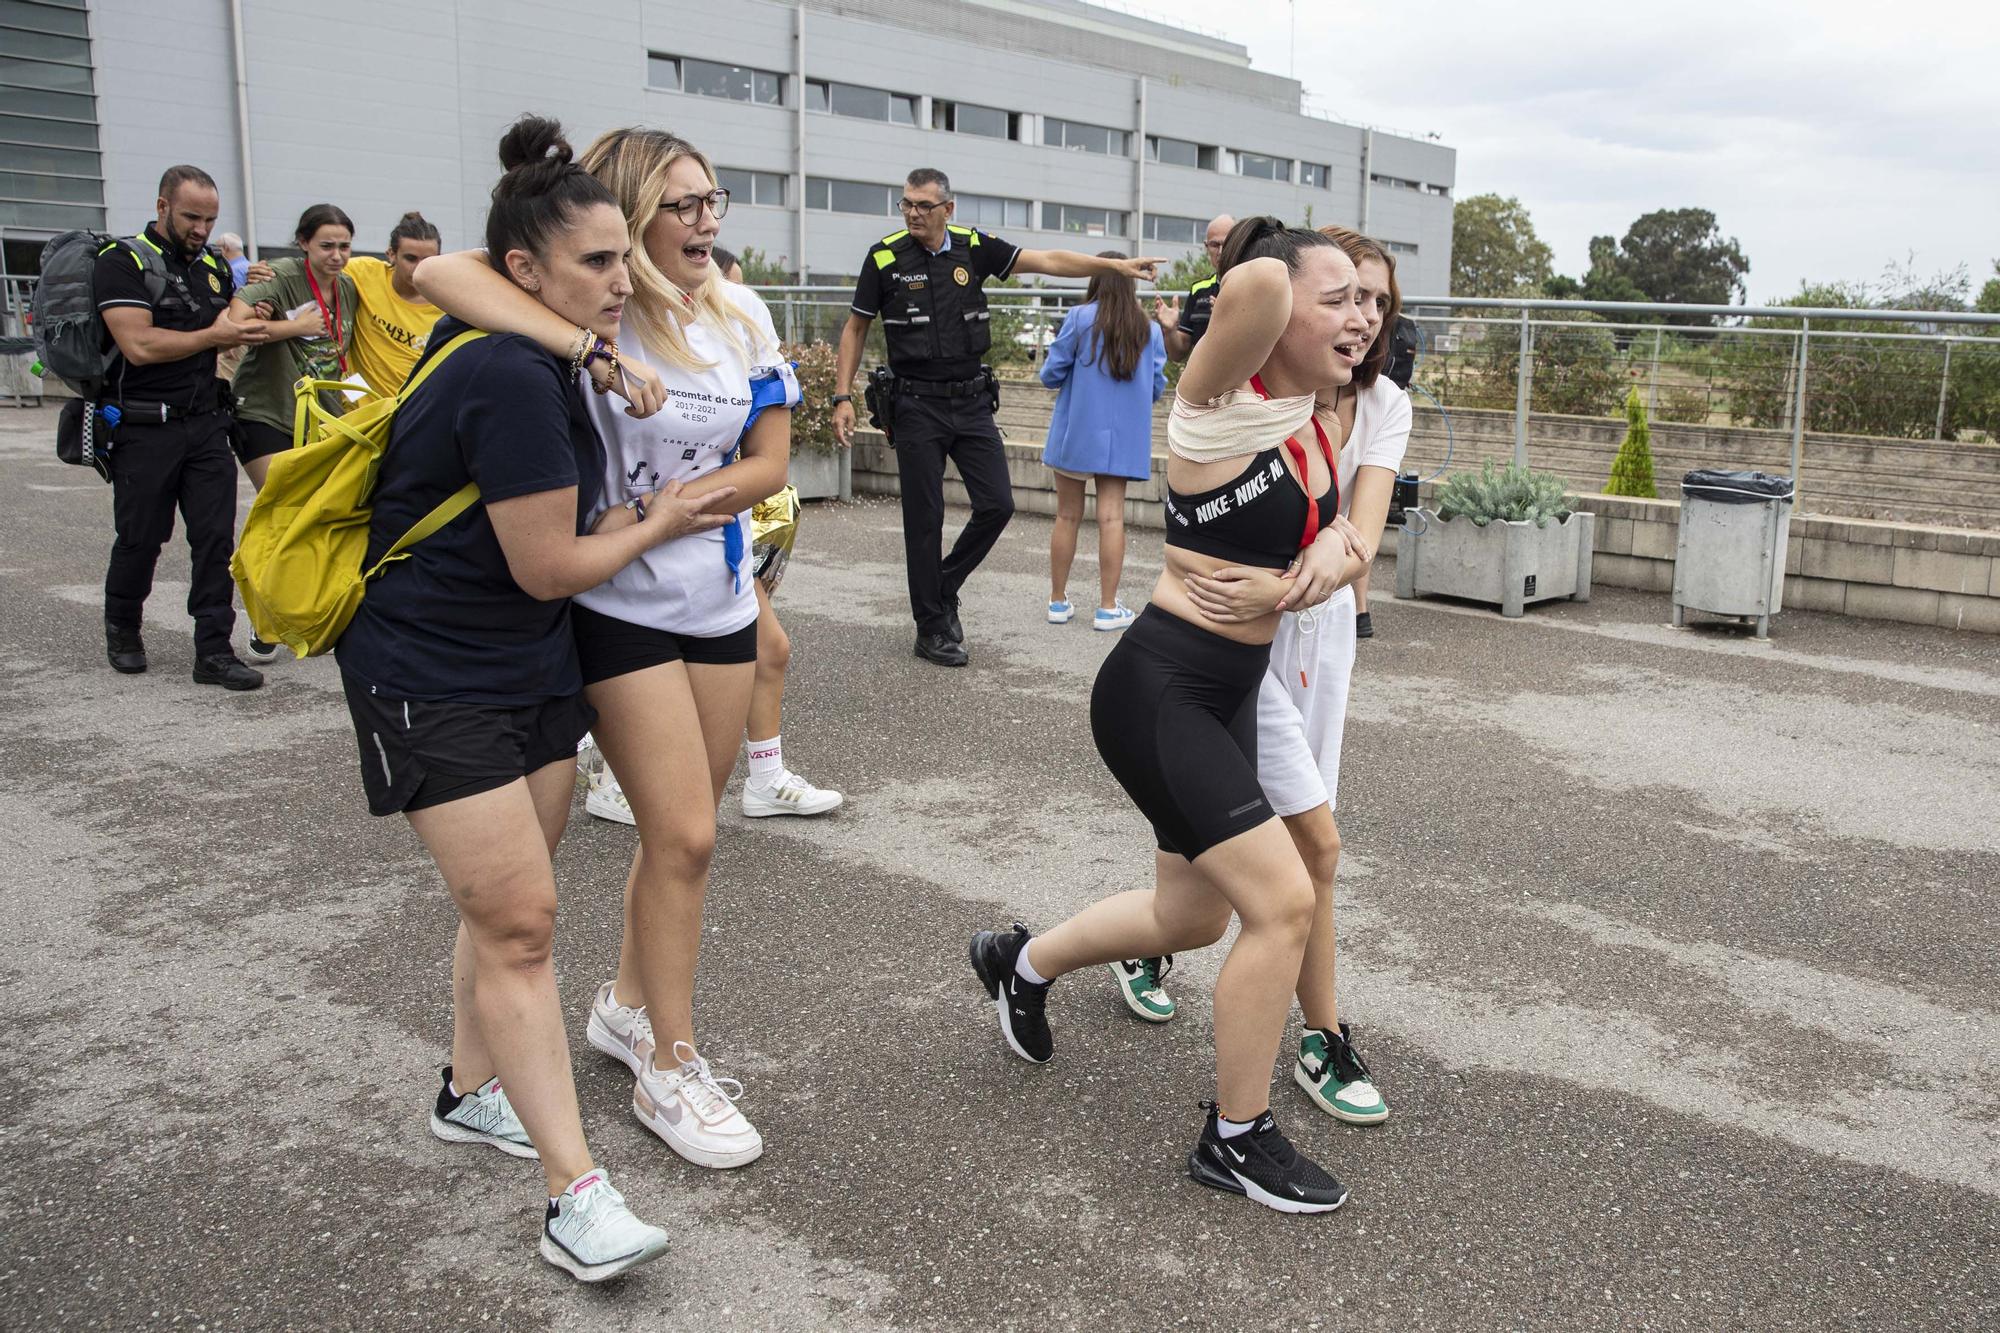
822 474
1511 565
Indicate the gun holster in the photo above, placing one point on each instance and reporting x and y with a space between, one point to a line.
880 398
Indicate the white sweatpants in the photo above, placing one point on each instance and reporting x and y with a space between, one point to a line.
1302 706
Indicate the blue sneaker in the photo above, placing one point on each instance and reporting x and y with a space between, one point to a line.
1115 619
1060 612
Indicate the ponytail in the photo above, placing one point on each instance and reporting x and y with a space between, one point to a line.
1267 237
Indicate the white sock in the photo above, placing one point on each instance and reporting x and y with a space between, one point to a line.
1229 1129
767 761
1026 970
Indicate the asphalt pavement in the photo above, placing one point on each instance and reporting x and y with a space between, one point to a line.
1673 953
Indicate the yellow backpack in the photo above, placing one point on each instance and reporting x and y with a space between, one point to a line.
298 564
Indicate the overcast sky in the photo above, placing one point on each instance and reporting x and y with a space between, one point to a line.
1829 138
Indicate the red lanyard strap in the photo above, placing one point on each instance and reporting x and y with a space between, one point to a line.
1298 452
330 322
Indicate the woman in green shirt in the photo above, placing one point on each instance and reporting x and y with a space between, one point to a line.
311 304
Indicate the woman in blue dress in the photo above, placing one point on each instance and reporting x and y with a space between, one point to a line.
1110 366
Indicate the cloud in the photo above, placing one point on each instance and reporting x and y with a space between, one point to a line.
1829 137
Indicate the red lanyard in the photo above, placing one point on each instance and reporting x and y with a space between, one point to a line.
1299 458
332 322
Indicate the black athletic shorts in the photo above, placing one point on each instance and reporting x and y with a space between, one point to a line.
254 439
607 646
416 753
1174 713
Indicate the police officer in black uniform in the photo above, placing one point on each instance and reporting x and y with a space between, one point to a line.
1181 326
164 297
926 284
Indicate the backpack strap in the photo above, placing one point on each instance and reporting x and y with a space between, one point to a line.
459 500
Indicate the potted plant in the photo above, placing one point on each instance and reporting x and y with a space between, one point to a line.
821 467
1501 535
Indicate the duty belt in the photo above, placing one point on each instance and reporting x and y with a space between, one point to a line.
942 388
159 413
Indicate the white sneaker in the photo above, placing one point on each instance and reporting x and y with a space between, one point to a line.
621 1031
592 1235
485 1116
789 795
607 799
694 1113
260 652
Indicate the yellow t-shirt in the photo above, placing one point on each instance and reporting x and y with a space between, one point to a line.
391 332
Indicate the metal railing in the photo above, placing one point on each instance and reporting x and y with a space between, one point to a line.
1903 374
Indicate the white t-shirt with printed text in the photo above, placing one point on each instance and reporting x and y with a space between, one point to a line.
685 585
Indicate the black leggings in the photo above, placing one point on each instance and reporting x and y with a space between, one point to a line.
1174 712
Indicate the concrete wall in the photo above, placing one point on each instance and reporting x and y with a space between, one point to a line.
418 95
1914 572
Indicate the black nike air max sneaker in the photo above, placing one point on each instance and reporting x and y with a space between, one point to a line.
1019 1003
1264 1168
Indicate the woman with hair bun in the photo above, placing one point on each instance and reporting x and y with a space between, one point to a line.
461 673
668 645
1251 487
395 323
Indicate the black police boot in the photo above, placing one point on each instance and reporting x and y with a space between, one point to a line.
951 624
226 670
125 649
941 649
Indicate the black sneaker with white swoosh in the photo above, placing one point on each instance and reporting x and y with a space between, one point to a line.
1019 1003
1263 1167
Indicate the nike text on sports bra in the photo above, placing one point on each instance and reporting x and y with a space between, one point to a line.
1254 519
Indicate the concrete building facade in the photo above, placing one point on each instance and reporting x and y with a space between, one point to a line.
1061 124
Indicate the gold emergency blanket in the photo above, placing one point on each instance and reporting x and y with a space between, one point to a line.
774 526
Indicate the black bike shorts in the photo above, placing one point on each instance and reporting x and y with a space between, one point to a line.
417 753
1174 713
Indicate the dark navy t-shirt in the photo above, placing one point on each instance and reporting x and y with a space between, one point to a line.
448 621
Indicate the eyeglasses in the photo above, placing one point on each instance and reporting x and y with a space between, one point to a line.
922 208
688 207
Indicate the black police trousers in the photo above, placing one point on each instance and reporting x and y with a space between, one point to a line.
156 467
928 431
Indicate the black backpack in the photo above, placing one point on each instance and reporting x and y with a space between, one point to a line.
69 331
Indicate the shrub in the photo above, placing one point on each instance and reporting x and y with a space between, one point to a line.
1684 404
1510 494
1632 470
812 419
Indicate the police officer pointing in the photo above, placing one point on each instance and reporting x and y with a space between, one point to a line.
170 444
926 284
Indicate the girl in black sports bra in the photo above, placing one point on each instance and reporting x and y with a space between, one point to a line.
1251 488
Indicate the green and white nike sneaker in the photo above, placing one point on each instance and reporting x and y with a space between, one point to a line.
1332 1074
1139 986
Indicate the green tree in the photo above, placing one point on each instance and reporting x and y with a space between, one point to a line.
1632 469
1989 295
1494 249
760 270
1675 255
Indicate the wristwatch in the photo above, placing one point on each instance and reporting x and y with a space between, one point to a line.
840 398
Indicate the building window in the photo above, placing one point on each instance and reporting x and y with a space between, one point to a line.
1442 191
1175 231
832 196
752 187
851 99
965 118
51 178
990 211
1262 167
1180 152
1076 135
706 78
1401 247
1316 174
1079 221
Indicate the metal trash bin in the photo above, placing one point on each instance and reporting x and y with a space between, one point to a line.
1731 557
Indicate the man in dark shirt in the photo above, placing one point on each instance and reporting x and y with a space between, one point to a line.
926 283
1182 326
164 297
